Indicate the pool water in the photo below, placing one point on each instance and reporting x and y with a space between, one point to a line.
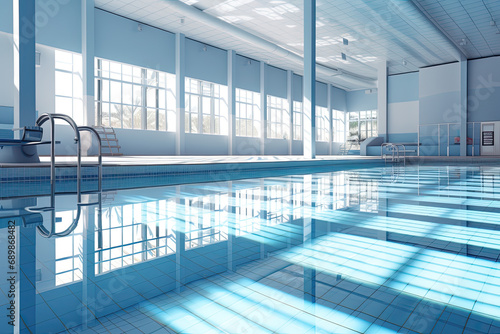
376 250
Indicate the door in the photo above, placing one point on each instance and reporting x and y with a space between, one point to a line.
489 139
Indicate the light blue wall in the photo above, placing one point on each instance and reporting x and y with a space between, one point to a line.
6 16
209 65
439 94
321 94
200 144
276 146
403 108
402 88
339 97
297 91
484 90
358 100
275 82
6 122
59 24
119 39
247 74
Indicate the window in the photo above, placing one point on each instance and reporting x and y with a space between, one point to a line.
353 126
278 118
338 119
297 120
132 97
362 125
247 113
206 107
69 85
322 124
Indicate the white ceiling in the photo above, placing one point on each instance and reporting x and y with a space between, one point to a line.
376 30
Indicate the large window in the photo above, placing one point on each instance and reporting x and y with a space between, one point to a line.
338 119
69 85
247 113
362 125
322 124
297 120
206 107
278 118
132 97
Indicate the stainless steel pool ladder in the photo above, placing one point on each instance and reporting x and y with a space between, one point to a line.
51 117
395 151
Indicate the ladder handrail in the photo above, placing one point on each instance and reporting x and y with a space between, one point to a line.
42 229
394 149
51 117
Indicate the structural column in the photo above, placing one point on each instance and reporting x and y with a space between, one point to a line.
463 107
263 108
180 73
382 124
24 63
231 71
88 62
330 117
309 139
289 78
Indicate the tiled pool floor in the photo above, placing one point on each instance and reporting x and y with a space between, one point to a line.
377 250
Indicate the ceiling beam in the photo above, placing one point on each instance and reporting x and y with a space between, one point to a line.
417 17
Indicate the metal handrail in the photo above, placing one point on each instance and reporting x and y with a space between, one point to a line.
51 117
394 149
42 229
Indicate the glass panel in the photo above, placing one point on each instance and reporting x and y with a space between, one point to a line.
128 111
151 97
151 118
64 105
116 92
127 93
116 111
64 84
206 124
137 115
162 120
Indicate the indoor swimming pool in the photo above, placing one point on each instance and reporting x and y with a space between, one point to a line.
375 250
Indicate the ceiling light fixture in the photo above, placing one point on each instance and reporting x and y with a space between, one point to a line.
463 42
139 27
405 63
205 48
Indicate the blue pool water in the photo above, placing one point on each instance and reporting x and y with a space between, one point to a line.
376 250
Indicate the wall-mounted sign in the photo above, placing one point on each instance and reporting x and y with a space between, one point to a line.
488 138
